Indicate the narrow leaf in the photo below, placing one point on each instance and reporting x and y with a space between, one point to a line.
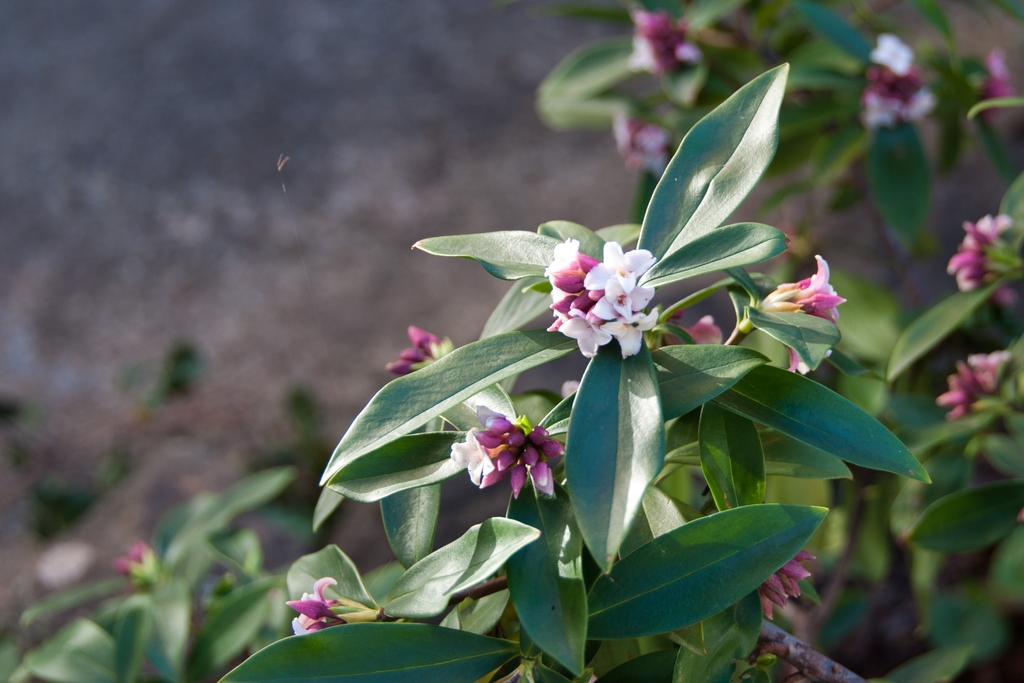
410 520
406 463
729 635
970 519
326 505
899 179
505 254
590 243
81 652
810 336
589 70
727 247
690 375
520 306
828 25
731 458
131 631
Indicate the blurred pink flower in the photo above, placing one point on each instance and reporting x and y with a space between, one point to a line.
971 264
660 43
704 331
426 348
996 84
314 609
813 295
976 378
136 556
895 92
783 583
643 145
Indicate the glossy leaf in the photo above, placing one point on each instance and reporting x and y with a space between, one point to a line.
788 457
934 325
828 25
810 336
546 578
505 254
131 631
941 665
812 413
970 519
477 616
464 416
557 421
718 163
616 447
729 635
589 70
81 652
590 243
731 458
377 653
326 505
727 247
899 179
329 561
172 611
410 520
1012 203
655 667
520 306
697 570
690 375
624 233
1005 454
659 514
425 588
406 463
411 401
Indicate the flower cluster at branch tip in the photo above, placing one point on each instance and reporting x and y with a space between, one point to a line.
426 348
895 92
504 447
314 609
595 302
977 378
996 84
140 564
643 145
977 261
660 43
783 583
704 331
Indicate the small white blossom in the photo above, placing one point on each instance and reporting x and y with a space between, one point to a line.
630 333
588 332
630 264
471 455
893 53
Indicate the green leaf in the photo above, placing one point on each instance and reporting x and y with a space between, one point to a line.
326 505
970 519
995 149
520 306
238 550
809 412
426 587
464 417
65 601
589 70
1012 203
570 113
411 401
697 570
546 578
683 85
380 580
870 317
1007 569
1004 453
410 520
505 254
81 652
477 616
937 666
899 179
625 233
933 14
810 336
934 325
329 561
690 375
994 103
788 457
172 608
405 463
718 163
10 659
659 514
706 12
590 243
728 636
655 667
828 25
232 622
557 421
731 458
377 653
616 447
727 247
131 631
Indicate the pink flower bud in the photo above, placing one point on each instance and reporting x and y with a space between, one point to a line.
783 583
505 460
539 435
516 438
488 439
518 479
530 455
542 479
552 448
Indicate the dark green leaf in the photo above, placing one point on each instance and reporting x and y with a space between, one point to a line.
546 578
590 243
788 457
425 588
405 463
728 636
899 179
625 233
655 667
557 421
411 401
706 12
810 336
616 446
683 85
718 163
1005 454
231 624
329 561
731 458
172 605
506 254
1012 203
690 375
477 616
589 70
995 149
659 514
934 15
326 505
697 570
67 600
970 519
937 666
377 653
934 325
807 411
830 26
520 306
81 652
410 519
727 247
131 631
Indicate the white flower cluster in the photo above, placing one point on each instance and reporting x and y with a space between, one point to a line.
595 302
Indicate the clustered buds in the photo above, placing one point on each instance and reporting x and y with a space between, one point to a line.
140 564
643 145
503 447
597 301
895 92
426 348
996 84
783 583
660 43
977 378
314 609
982 255
704 331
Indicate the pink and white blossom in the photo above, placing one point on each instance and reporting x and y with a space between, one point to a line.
643 145
660 43
629 332
977 378
998 83
314 609
704 331
426 348
473 457
972 264
783 583
893 53
895 92
813 295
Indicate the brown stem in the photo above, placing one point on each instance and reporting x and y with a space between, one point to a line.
808 661
480 590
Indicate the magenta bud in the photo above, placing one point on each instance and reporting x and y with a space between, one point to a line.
402 367
499 425
516 438
552 448
530 456
539 435
542 478
596 294
518 479
314 609
571 283
587 263
413 355
505 460
493 477
421 338
488 440
563 305
583 302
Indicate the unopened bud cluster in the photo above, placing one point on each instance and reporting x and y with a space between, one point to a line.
895 92
660 43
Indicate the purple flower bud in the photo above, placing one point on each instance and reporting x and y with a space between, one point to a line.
571 284
488 439
530 455
542 479
493 477
314 609
505 460
783 583
539 435
421 338
587 263
552 448
516 438
518 479
499 426
563 305
584 302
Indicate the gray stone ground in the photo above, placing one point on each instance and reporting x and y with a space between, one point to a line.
140 204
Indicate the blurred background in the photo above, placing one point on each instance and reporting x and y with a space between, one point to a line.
170 318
